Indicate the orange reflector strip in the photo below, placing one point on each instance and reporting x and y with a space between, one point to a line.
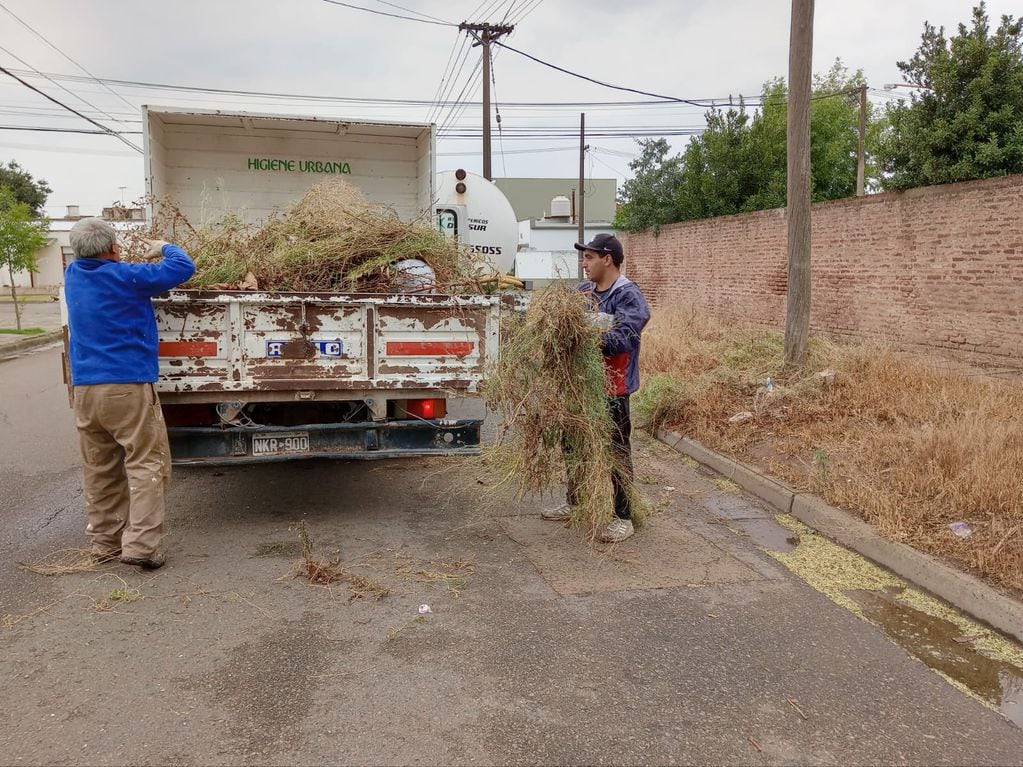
188 348
429 348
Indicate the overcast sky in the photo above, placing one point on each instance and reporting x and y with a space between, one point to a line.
681 48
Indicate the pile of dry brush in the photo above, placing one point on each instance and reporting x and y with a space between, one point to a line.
330 240
550 390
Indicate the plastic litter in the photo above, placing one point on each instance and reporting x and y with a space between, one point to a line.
961 529
424 609
826 376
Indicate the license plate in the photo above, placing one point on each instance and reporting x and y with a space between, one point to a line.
278 444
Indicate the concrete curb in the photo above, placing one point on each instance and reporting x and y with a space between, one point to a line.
31 342
959 589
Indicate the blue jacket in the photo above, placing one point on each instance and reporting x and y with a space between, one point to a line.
111 323
620 345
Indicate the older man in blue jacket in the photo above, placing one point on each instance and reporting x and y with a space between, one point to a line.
113 352
621 309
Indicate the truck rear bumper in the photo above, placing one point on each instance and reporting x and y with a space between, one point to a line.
215 446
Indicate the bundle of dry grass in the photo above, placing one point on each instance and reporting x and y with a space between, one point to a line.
549 387
909 444
330 240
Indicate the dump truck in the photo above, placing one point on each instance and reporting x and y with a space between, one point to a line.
250 376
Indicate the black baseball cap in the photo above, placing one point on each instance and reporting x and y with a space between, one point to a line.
607 244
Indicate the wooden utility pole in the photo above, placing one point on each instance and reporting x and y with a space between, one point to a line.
797 312
485 34
861 157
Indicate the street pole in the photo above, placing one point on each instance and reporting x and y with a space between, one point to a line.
861 157
797 311
486 34
581 216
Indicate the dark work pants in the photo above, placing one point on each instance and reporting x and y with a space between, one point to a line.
621 449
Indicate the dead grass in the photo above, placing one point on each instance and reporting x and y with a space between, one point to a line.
909 445
453 575
331 240
326 572
65 562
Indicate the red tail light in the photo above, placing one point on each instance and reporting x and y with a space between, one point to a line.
426 408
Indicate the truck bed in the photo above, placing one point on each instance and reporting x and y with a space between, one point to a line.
248 377
255 344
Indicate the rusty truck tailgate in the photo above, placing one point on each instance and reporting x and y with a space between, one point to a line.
235 342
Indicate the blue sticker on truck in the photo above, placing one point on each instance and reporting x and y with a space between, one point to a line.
324 348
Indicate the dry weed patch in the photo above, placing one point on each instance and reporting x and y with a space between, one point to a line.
325 572
908 444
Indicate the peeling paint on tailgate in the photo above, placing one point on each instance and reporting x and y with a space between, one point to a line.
316 341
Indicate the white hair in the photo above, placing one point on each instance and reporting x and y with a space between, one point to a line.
92 237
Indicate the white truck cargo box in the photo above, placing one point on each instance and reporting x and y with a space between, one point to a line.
214 163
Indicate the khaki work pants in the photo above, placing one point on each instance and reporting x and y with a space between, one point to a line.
126 461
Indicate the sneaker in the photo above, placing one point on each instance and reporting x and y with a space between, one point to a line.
561 513
617 531
152 562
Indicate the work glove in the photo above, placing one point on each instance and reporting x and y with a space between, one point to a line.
602 320
155 249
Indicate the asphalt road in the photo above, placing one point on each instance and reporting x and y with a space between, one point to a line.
690 643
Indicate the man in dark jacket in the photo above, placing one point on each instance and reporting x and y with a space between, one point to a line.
622 311
113 348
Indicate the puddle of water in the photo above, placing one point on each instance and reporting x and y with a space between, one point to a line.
932 640
987 666
768 534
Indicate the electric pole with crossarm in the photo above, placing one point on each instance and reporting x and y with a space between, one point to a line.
486 34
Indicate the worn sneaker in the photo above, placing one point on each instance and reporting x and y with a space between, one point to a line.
561 513
617 531
152 562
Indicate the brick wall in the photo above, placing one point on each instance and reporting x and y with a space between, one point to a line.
937 270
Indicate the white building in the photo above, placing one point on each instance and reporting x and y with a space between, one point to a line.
548 225
54 257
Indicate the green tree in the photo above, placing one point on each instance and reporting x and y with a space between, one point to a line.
966 120
738 164
647 199
25 188
21 236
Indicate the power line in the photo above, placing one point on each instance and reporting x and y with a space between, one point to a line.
58 50
452 80
525 11
66 149
491 8
497 111
701 103
674 99
591 79
70 109
68 92
507 10
449 67
392 15
538 150
467 91
409 10
47 129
